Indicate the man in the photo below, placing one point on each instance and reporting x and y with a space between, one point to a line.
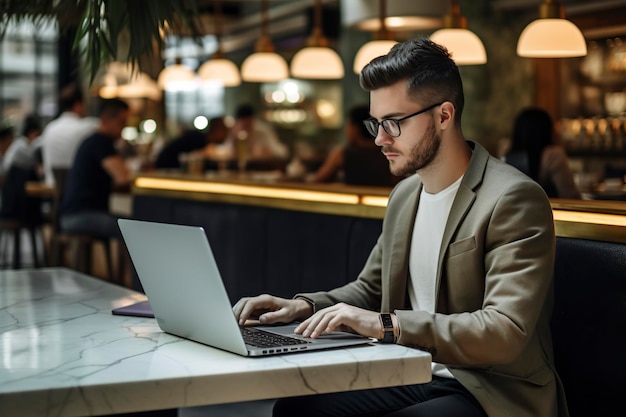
191 141
23 149
463 267
62 136
97 169
6 139
360 160
260 137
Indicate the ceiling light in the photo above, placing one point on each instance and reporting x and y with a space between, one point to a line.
401 15
264 65
220 68
375 48
317 60
140 86
464 46
551 36
174 75
369 51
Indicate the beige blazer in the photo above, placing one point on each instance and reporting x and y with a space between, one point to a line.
494 288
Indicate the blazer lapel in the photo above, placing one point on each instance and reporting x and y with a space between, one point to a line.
398 267
462 202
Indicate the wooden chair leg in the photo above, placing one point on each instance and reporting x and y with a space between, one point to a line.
3 247
33 242
55 252
106 244
77 256
17 248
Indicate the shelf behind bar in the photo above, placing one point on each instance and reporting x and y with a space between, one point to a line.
585 219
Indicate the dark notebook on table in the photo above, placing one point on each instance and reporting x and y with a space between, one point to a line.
140 309
178 272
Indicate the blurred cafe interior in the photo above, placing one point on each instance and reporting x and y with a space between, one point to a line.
199 60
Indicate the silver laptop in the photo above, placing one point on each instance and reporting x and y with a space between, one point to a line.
184 287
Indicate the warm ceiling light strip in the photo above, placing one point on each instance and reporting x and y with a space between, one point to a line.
247 190
593 218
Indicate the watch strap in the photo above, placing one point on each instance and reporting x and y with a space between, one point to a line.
388 331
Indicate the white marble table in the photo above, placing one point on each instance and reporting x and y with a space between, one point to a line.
62 353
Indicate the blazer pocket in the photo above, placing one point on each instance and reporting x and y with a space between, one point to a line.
461 246
541 376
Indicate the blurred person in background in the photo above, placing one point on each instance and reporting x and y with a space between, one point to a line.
262 140
360 161
6 138
192 141
97 170
535 153
24 151
62 136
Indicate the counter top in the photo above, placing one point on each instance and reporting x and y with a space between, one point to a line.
267 189
64 354
588 219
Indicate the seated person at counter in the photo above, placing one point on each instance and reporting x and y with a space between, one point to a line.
261 139
360 162
62 136
474 289
191 140
25 151
97 169
534 152
6 138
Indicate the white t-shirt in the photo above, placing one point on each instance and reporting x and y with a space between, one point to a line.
430 222
60 140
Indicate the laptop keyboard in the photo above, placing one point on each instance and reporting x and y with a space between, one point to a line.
261 338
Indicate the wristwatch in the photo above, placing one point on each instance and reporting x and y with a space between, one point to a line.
388 335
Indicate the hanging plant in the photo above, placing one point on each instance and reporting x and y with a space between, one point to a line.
100 24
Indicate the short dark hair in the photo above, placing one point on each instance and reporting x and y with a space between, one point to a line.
431 74
533 131
31 124
244 110
356 115
70 95
216 123
6 130
111 107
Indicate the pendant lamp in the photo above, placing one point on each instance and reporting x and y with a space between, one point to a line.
464 46
264 65
220 68
377 47
551 36
174 75
139 86
317 60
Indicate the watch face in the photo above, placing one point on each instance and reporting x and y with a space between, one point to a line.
388 336
387 322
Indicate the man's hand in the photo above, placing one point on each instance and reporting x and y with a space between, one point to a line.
339 316
269 309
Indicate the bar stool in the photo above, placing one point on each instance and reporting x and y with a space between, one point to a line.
80 245
11 229
20 212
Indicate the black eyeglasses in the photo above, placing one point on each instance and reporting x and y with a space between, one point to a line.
392 126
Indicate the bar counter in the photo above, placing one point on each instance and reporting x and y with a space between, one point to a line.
587 219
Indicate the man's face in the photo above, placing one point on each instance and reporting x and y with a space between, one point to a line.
118 123
418 144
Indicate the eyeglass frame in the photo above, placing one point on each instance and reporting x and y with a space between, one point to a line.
369 123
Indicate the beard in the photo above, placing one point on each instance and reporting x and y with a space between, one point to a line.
420 156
